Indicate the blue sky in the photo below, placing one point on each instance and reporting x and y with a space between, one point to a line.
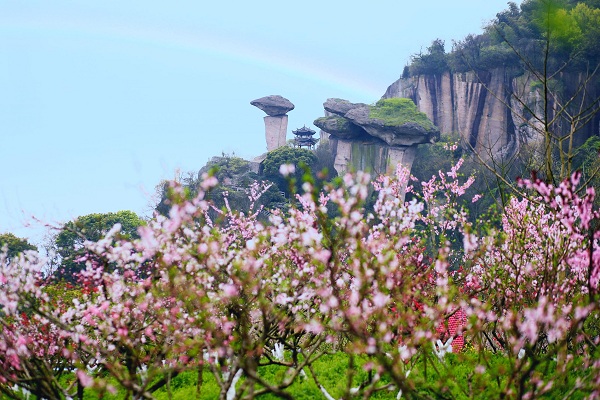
101 100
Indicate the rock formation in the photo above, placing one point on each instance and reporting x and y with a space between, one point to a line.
375 138
340 127
482 108
274 105
396 123
276 120
374 157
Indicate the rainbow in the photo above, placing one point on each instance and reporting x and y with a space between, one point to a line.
205 43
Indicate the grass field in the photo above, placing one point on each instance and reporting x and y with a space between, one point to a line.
451 379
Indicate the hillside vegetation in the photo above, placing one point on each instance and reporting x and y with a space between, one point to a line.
573 27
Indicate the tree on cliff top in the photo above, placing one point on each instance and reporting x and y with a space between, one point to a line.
433 62
235 178
287 155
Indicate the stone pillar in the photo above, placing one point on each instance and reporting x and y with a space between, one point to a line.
276 121
401 155
342 151
275 131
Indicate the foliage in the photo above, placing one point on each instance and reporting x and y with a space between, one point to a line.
398 111
165 194
236 180
229 170
587 160
433 62
285 155
69 243
572 28
549 49
259 306
14 245
441 156
324 166
332 368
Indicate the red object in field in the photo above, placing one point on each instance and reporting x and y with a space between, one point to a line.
451 327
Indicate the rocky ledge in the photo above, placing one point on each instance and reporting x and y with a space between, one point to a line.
396 121
340 127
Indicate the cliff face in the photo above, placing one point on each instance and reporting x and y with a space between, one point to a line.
369 156
475 106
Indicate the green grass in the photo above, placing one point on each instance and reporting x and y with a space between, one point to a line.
452 379
397 111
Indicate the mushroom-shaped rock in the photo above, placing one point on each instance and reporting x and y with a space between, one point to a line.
274 105
339 127
396 121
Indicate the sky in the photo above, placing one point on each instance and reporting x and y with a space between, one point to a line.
101 100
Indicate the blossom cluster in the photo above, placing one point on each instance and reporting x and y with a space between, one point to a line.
234 293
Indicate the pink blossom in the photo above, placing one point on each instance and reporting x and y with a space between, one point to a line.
229 290
287 169
84 379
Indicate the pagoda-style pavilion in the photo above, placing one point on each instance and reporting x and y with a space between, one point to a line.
304 138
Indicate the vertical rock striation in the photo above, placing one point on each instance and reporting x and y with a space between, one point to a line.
483 107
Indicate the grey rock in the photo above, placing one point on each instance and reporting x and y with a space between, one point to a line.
273 105
339 127
358 116
405 134
340 106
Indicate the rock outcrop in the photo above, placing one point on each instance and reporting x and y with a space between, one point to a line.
276 131
273 105
276 121
341 106
461 103
375 138
401 134
340 127
397 123
369 156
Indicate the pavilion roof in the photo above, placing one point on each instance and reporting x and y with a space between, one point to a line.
304 131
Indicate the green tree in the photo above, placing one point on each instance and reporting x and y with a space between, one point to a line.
68 244
235 178
434 61
561 50
14 245
287 155
165 194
